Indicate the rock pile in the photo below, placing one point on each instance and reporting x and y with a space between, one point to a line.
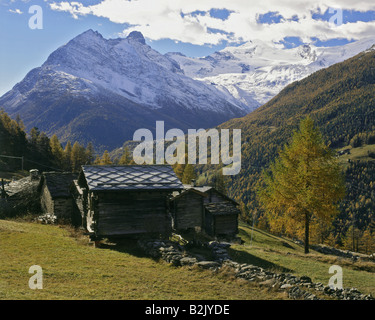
296 287
177 254
47 218
167 250
22 197
293 285
219 250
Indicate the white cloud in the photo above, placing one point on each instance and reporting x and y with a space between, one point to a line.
174 19
18 11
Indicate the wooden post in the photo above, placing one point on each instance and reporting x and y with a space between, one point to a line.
3 193
2 189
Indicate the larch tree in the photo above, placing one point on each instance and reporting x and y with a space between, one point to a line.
67 156
303 183
34 135
89 153
57 149
77 156
189 174
126 157
179 170
180 165
105 160
220 182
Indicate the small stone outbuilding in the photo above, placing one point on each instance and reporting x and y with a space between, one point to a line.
55 197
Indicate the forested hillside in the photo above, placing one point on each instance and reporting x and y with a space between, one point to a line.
44 153
341 101
15 143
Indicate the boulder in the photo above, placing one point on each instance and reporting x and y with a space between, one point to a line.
208 264
187 261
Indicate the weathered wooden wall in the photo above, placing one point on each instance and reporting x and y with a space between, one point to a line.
220 224
209 223
188 211
226 224
126 213
63 208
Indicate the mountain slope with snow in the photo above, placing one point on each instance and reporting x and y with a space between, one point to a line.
256 71
92 82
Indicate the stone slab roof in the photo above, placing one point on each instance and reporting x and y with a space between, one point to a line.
131 177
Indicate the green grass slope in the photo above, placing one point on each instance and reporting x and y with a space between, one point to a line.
283 255
361 153
74 270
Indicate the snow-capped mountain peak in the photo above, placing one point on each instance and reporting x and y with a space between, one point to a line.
91 80
134 70
262 69
136 36
307 52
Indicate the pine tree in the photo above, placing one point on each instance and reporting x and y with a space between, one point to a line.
189 174
367 242
245 212
330 241
20 123
351 239
89 153
34 135
67 156
43 143
77 156
179 170
126 157
305 181
220 182
97 160
105 160
57 150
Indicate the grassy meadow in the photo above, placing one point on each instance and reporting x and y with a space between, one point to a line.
74 269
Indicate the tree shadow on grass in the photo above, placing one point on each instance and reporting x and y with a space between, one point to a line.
243 232
245 257
280 239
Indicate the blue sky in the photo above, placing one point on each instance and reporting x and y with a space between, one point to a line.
195 28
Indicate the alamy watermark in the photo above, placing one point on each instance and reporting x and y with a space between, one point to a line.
337 17
36 281
36 20
335 282
175 151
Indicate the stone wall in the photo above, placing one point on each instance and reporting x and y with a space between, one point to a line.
342 253
301 288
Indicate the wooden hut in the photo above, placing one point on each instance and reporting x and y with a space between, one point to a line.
221 213
126 200
205 208
221 219
55 197
187 210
